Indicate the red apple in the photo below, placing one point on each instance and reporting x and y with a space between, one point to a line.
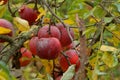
26 57
73 58
48 48
65 39
33 45
59 78
45 33
6 24
4 1
28 14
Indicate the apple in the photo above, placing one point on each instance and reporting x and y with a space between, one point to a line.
6 24
49 31
26 57
33 45
73 58
65 38
4 1
59 77
48 48
28 14
70 46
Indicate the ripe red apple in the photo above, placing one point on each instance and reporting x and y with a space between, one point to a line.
72 57
4 1
33 45
28 14
59 78
48 48
26 57
6 24
49 31
65 39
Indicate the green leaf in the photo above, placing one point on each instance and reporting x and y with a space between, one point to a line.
99 12
4 72
109 59
49 77
118 6
108 19
68 75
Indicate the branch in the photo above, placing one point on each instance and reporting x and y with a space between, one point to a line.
81 74
6 38
17 44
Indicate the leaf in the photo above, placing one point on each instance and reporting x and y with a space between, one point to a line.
109 59
108 19
2 10
48 65
69 21
90 30
4 72
21 24
42 12
68 75
99 12
49 77
107 48
4 30
118 6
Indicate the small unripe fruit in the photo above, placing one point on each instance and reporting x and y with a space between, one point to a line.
49 31
28 14
26 57
33 45
73 58
65 38
48 48
6 24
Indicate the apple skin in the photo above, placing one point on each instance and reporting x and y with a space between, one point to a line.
6 24
5 1
73 59
48 48
26 57
28 14
65 39
33 45
59 78
44 32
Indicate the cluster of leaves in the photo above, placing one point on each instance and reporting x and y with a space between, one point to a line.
102 21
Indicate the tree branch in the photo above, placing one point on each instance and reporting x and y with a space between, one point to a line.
17 44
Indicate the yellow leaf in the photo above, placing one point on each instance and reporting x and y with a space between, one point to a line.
26 44
21 24
48 65
2 10
42 12
69 21
4 30
46 20
107 48
109 59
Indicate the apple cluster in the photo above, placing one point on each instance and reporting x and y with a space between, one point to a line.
51 41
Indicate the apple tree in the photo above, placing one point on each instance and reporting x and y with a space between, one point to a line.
59 39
